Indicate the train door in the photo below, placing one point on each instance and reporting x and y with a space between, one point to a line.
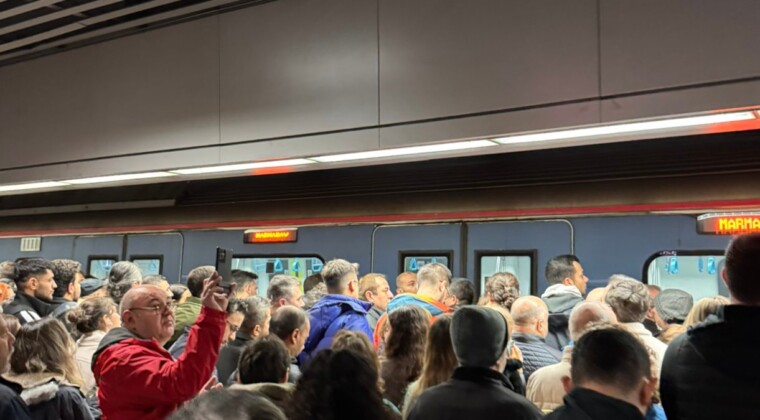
520 247
398 248
157 254
98 253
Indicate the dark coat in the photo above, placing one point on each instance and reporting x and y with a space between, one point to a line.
49 397
28 308
229 356
584 404
560 306
713 371
11 404
473 393
536 353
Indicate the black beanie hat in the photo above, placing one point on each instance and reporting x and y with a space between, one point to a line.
479 336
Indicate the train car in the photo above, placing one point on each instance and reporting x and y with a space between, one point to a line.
632 212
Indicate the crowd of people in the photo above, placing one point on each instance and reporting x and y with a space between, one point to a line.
343 346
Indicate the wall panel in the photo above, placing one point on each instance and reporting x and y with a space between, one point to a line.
442 58
295 67
654 44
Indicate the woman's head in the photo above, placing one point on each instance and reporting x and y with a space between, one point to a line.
338 384
502 289
359 344
95 314
45 346
408 328
704 308
439 361
122 276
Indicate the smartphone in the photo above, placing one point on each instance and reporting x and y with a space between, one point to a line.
224 266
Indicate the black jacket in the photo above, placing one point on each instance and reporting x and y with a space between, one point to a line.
713 371
28 308
585 404
536 353
473 393
11 404
229 356
50 399
560 306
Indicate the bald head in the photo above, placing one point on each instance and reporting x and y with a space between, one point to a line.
146 311
597 295
588 313
531 316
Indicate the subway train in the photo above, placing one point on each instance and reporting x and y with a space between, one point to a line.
660 210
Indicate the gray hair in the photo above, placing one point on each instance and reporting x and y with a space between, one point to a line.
122 276
527 309
281 286
313 296
335 272
617 278
256 309
433 273
629 300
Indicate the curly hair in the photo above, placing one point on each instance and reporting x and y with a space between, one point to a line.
404 350
64 272
503 289
338 385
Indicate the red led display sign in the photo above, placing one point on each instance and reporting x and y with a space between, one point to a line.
258 236
728 224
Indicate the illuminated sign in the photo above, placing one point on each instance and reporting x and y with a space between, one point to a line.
259 236
728 223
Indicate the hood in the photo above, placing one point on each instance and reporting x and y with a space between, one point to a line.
585 404
115 336
277 393
736 354
563 302
434 307
331 307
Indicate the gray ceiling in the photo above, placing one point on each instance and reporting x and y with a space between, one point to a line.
30 28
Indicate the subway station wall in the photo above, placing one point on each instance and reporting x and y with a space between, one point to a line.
277 80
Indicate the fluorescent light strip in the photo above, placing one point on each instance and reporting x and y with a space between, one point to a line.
628 128
403 151
242 166
117 178
31 186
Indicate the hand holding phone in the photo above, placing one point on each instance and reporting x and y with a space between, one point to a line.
224 267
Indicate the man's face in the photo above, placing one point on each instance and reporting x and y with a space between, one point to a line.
150 315
406 283
75 287
6 346
302 337
382 295
234 320
579 279
296 299
265 325
45 284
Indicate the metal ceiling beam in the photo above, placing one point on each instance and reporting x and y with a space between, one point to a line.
81 24
117 28
56 15
27 8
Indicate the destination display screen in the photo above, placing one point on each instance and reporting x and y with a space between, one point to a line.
728 223
257 236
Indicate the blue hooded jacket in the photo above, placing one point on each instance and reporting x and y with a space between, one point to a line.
328 316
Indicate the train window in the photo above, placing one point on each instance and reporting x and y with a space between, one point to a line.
697 272
520 263
267 266
98 266
414 260
150 265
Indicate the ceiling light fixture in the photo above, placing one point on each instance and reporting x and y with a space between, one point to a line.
242 166
118 178
627 128
31 186
405 151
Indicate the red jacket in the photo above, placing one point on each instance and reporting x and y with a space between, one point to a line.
138 379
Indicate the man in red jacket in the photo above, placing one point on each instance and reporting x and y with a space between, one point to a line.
136 376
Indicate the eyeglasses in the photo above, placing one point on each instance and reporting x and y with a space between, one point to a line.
233 328
159 309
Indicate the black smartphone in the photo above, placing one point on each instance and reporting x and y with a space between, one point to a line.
224 266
